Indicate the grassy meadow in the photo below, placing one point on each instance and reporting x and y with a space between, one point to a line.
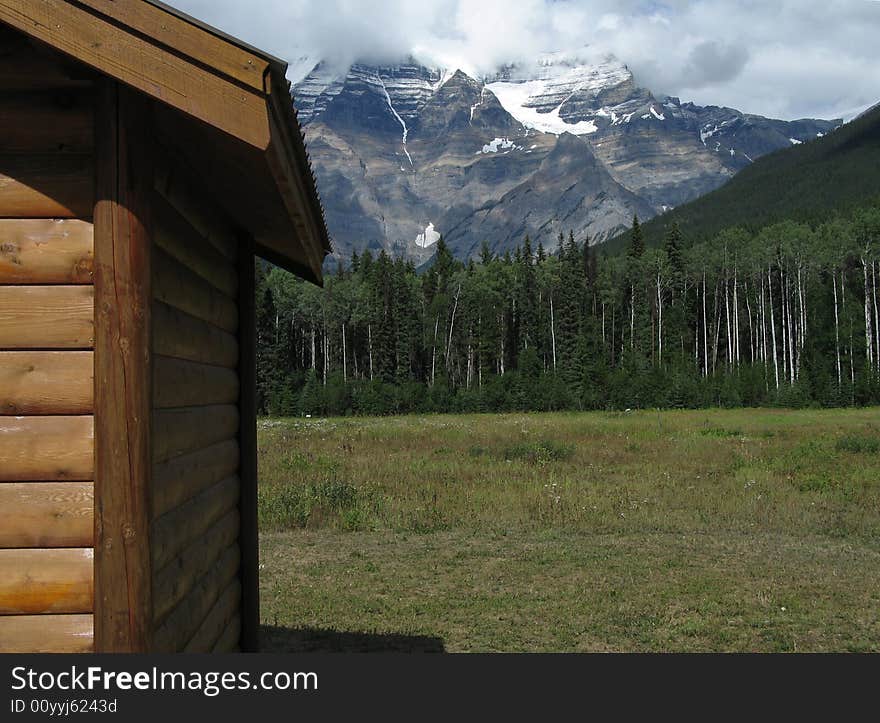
745 530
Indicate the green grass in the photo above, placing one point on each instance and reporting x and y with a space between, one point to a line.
720 530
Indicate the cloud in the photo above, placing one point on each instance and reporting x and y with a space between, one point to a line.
783 58
713 62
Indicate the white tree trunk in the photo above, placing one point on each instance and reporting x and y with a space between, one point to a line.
632 316
869 335
452 327
370 347
736 348
876 316
553 332
727 321
705 332
837 331
344 357
773 327
659 322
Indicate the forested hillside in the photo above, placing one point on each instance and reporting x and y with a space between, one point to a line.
787 315
807 183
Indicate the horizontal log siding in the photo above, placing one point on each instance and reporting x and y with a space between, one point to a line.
47 170
194 534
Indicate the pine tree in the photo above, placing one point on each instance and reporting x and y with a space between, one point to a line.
637 240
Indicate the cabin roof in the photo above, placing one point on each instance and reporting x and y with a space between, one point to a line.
225 106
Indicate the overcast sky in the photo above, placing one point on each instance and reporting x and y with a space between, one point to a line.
780 58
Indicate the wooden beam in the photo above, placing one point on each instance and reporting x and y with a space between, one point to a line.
175 530
36 582
176 33
46 634
183 622
189 429
112 48
48 185
181 383
175 183
176 285
123 374
177 237
182 478
181 336
216 626
173 582
46 251
247 442
46 448
47 317
293 178
46 514
46 382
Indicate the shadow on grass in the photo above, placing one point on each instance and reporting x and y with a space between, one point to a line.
274 639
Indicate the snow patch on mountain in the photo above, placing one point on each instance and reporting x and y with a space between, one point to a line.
496 144
428 238
535 94
515 98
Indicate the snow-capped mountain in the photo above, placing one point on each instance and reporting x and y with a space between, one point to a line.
405 153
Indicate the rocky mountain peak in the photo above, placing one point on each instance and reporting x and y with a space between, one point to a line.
404 152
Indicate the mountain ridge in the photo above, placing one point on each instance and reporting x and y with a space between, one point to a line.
403 152
833 175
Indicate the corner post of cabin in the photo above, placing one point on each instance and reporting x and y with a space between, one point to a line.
247 370
123 371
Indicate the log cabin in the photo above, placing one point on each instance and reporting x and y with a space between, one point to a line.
145 160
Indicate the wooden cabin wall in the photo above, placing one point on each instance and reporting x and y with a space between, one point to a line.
194 533
47 335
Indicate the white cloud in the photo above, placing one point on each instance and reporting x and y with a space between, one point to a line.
783 58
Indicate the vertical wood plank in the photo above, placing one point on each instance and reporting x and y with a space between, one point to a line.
247 369
123 395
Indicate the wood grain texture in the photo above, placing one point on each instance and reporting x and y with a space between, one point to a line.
46 382
179 335
36 582
46 634
47 448
51 185
206 48
173 531
182 478
143 64
183 622
177 286
177 237
46 514
181 383
189 429
220 624
174 581
47 317
123 374
47 122
46 251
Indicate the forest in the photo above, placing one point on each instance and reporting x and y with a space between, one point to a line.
786 316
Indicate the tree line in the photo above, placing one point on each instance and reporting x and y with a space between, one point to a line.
784 316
